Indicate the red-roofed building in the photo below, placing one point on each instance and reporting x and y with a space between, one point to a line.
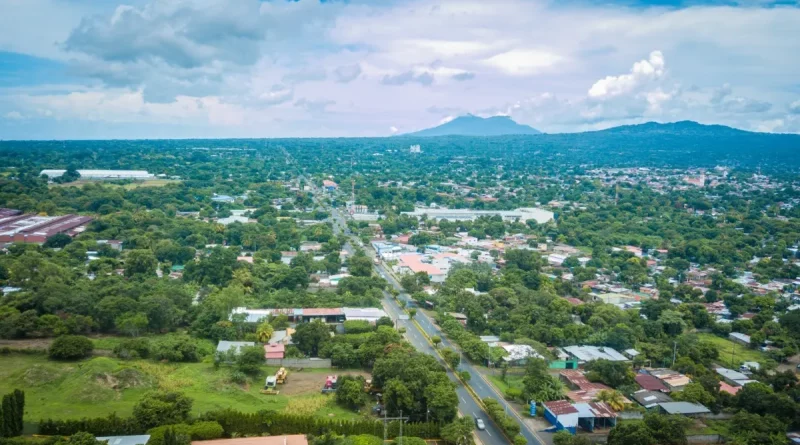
650 383
275 351
732 390
577 380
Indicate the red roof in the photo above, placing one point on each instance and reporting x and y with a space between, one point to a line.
274 351
732 390
322 311
575 301
579 380
651 383
559 407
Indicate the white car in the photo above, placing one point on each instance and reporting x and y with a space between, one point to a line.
479 423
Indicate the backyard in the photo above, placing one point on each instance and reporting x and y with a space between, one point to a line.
732 354
102 385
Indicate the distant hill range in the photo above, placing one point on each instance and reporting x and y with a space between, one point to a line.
470 125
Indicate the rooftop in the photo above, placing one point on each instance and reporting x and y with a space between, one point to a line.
589 353
560 407
651 383
295 439
684 408
126 440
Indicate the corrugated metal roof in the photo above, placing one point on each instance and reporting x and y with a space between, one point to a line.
560 407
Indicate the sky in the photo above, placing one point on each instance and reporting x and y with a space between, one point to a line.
101 69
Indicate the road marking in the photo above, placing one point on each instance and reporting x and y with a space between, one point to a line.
462 399
487 432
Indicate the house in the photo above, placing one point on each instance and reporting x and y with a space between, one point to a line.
225 346
730 389
369 314
585 354
413 263
651 383
283 337
294 439
630 353
738 337
675 381
125 440
577 380
687 409
459 316
223 198
274 351
650 399
562 415
732 377
518 355
329 185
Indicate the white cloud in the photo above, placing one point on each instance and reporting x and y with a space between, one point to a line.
393 129
446 120
642 72
523 62
794 107
14 115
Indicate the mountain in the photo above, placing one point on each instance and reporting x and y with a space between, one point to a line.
470 125
681 128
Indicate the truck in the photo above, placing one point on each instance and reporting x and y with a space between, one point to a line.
280 376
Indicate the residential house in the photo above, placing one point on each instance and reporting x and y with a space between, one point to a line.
140 439
650 399
274 351
687 409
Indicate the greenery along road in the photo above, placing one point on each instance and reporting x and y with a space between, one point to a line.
467 404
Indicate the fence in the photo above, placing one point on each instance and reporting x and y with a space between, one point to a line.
300 362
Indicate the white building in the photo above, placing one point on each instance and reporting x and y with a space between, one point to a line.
541 216
101 174
588 353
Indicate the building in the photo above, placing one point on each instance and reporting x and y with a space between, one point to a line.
329 185
101 174
584 354
369 314
225 346
415 149
295 439
687 409
274 350
734 378
651 399
675 381
283 337
412 263
566 416
125 440
562 415
541 216
31 228
738 337
651 383
518 355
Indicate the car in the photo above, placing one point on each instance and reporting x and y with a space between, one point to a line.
479 423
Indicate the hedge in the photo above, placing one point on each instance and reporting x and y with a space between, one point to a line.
497 413
237 424
196 431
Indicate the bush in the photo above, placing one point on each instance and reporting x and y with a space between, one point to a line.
410 441
133 348
159 408
364 439
195 431
180 348
70 347
520 440
357 326
238 377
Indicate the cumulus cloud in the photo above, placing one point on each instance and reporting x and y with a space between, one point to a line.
14 115
794 107
464 76
347 73
642 72
278 94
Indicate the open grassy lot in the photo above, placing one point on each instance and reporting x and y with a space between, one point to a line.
512 381
729 350
102 385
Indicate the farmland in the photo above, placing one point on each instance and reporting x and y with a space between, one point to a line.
102 385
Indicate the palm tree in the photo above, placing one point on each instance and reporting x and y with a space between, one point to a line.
612 398
264 332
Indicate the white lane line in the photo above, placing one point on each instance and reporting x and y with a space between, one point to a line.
462 399
487 432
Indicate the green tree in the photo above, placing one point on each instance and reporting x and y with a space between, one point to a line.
264 332
70 347
631 434
132 323
250 359
310 337
359 265
451 357
140 262
162 408
458 432
350 392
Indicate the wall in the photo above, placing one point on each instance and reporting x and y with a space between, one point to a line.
300 362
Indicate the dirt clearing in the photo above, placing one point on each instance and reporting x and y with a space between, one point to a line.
300 382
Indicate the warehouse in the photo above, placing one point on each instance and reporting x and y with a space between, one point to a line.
31 228
101 174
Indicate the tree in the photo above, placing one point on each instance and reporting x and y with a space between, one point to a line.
359 265
250 359
171 437
613 374
140 262
436 340
132 323
384 321
612 398
162 408
667 430
12 411
57 241
458 432
631 434
451 357
264 332
539 385
350 392
695 393
80 438
310 337
70 347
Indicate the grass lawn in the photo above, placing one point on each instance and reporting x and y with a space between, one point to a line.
512 381
102 385
741 353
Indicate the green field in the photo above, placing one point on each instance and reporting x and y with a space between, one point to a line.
129 186
729 350
102 385
512 381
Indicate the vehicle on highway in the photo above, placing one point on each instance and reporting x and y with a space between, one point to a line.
479 424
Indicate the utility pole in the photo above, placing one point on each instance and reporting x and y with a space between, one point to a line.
674 351
386 421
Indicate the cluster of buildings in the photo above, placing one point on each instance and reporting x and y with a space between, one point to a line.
304 315
434 212
19 227
102 174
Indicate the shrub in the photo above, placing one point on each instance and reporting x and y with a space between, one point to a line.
133 348
357 326
238 377
180 348
410 441
364 439
195 431
159 408
520 440
70 347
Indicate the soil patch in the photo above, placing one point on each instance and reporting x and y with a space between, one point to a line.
310 382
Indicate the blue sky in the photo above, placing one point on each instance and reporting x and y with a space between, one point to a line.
250 68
